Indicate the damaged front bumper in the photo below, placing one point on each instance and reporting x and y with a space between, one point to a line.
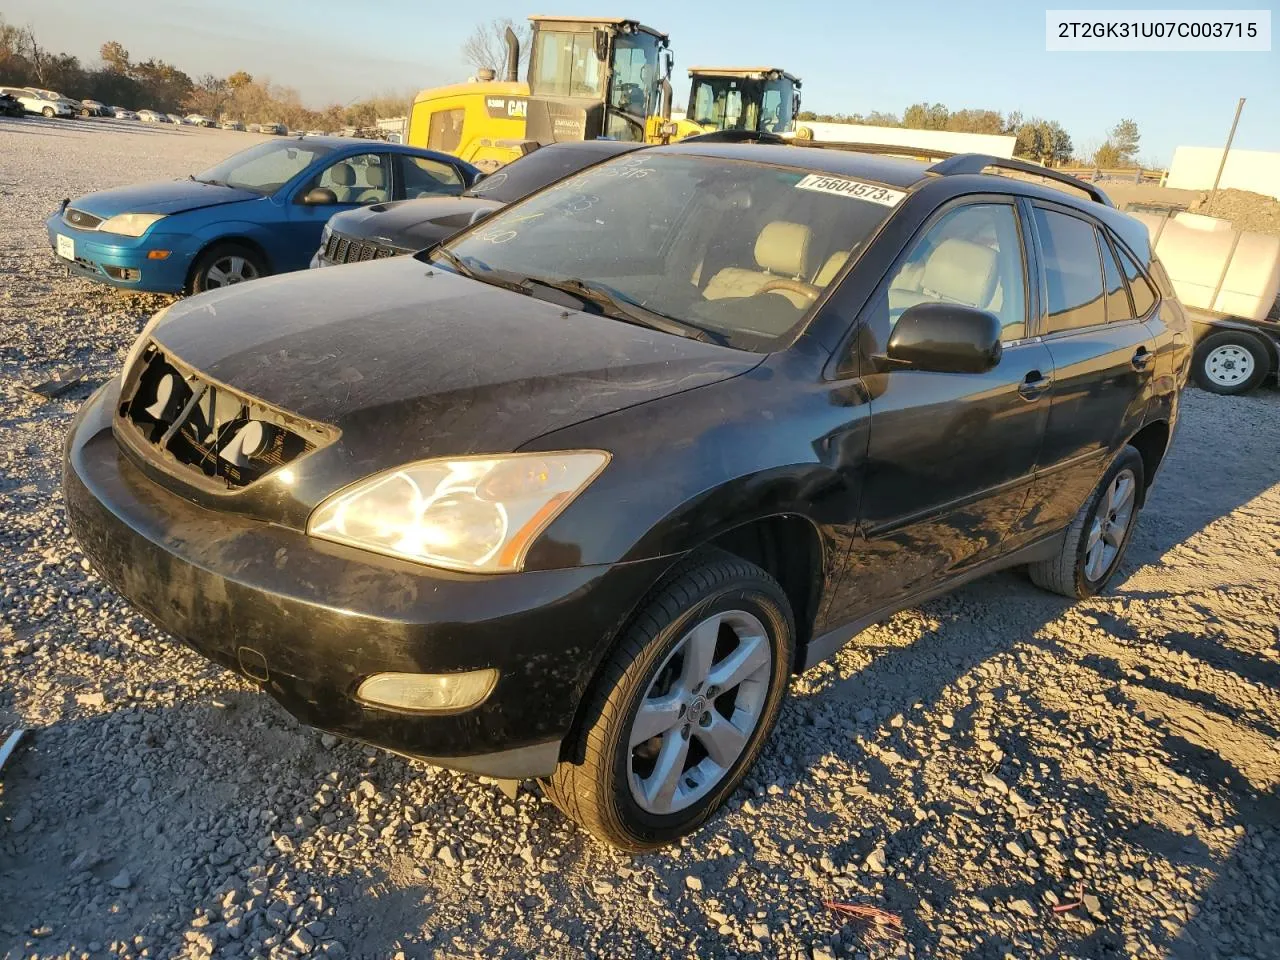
310 621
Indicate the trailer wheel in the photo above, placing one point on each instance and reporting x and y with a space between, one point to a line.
1231 362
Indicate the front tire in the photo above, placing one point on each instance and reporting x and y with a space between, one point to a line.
1096 541
224 265
682 708
48 112
1231 362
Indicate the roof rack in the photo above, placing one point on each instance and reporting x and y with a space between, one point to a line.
978 162
887 149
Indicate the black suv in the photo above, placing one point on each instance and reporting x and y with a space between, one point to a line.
573 494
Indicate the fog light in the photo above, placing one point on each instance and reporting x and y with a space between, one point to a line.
158 254
428 692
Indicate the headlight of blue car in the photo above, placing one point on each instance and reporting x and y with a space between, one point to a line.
130 224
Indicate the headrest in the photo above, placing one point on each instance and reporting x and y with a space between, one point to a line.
783 248
343 175
374 176
960 271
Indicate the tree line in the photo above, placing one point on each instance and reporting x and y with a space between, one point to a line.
1045 141
157 85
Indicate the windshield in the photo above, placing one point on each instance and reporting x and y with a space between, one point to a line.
737 248
264 168
533 172
738 103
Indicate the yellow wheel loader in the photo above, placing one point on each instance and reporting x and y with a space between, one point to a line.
747 99
588 78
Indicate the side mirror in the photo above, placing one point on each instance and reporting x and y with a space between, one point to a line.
319 197
945 338
479 177
480 215
601 40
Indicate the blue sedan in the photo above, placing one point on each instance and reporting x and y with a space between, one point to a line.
256 213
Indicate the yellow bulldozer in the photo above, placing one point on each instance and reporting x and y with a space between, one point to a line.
587 78
747 99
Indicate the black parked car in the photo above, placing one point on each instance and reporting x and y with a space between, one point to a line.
403 226
11 106
571 495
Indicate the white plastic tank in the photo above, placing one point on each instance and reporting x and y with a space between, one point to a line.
1214 267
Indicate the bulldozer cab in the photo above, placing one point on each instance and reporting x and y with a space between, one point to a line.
757 99
591 78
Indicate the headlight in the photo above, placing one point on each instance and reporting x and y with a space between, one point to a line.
478 514
132 356
130 224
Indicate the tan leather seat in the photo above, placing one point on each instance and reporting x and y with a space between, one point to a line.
376 192
782 251
340 178
829 269
956 271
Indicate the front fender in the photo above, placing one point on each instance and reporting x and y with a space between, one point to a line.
257 233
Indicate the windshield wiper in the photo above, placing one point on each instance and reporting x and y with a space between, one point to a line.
619 307
464 269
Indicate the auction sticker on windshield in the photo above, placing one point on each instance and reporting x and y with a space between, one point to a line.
66 247
822 183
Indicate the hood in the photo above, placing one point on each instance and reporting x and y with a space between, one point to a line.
165 196
412 224
411 361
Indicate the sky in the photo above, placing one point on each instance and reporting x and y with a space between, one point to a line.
852 57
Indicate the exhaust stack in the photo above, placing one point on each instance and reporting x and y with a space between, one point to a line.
513 56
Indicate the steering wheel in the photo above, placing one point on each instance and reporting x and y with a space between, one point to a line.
806 290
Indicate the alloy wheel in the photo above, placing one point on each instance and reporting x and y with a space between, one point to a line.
229 270
1110 525
699 711
1229 365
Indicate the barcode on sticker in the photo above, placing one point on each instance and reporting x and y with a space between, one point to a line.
821 183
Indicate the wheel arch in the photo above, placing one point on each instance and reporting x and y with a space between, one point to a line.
241 238
1152 443
787 546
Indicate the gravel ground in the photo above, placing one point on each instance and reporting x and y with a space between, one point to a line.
969 766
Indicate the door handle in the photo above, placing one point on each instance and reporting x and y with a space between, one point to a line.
1034 385
1142 359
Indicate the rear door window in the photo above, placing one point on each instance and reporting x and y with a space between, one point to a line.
1073 271
424 177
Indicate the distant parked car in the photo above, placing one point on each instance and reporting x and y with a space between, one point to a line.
73 106
123 113
279 129
175 119
436 210
11 106
200 120
231 125
33 102
93 108
259 212
254 128
152 116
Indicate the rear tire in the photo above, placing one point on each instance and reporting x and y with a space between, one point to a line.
1231 362
48 112
721 613
224 265
1096 542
